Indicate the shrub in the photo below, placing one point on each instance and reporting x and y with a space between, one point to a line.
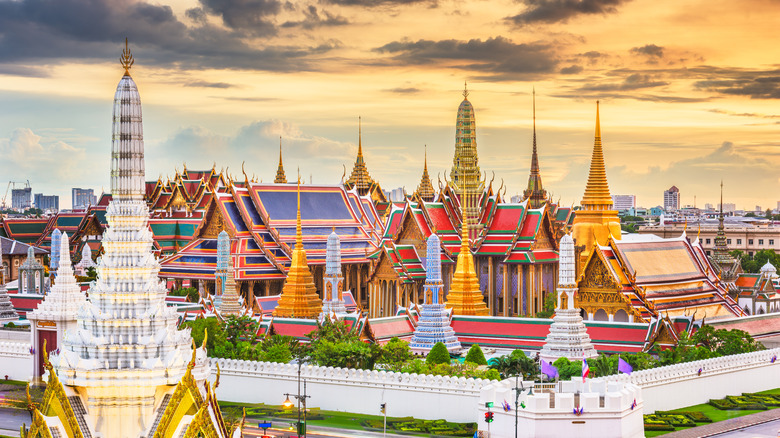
475 355
438 355
696 416
492 375
721 404
658 427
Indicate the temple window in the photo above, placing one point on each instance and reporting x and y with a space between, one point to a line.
750 241
728 241
760 241
708 241
771 241
739 241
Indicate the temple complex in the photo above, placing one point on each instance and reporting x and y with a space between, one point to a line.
299 295
758 294
58 312
568 336
596 221
126 371
433 324
333 300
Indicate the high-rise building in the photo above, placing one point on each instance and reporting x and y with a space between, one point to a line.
623 202
672 199
82 198
21 199
47 202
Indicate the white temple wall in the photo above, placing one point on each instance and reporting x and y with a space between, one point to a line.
679 386
356 391
16 362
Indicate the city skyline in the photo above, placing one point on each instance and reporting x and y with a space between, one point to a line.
688 106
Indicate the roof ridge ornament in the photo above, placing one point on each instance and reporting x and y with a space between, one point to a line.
126 59
465 90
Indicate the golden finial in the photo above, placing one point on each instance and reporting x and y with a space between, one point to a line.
194 352
598 123
465 90
205 338
298 232
219 373
360 136
126 59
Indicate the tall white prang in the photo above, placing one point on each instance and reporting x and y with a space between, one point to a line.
568 336
126 352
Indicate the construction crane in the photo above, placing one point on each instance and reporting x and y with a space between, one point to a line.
24 184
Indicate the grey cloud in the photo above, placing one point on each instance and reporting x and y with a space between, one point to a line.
755 115
252 16
553 11
497 58
376 3
314 18
757 87
632 82
649 50
571 70
38 31
402 90
634 96
206 84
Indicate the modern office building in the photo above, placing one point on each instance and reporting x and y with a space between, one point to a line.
47 202
623 203
83 198
21 199
672 199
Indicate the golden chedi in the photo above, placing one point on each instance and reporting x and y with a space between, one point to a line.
299 295
465 297
596 221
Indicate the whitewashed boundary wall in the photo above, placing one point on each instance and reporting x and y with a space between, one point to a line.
348 390
16 362
681 385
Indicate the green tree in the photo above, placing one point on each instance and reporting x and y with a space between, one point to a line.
548 307
475 355
568 369
515 363
200 326
240 328
395 354
603 365
277 353
438 355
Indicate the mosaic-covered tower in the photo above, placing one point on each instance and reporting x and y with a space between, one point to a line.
568 337
465 177
126 353
223 262
7 311
54 257
230 304
333 301
434 323
465 296
57 313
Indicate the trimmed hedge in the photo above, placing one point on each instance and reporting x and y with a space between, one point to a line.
658 427
695 416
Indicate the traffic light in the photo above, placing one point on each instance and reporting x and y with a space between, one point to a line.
488 417
382 407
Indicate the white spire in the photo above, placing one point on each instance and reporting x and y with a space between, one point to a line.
127 143
65 298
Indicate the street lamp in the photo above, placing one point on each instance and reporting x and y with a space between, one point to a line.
301 398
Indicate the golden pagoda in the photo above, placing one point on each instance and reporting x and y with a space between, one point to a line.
465 297
535 193
299 295
425 189
596 221
281 178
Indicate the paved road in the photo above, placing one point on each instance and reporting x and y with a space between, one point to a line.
11 420
770 429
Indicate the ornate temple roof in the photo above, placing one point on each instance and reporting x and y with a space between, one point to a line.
597 195
425 188
465 172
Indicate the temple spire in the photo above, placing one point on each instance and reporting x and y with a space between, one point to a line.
425 189
281 178
535 192
359 178
597 195
126 59
465 296
465 176
299 294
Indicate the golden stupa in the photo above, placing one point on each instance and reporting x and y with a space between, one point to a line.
596 221
465 297
299 295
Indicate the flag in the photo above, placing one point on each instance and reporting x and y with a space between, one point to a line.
633 405
549 370
585 369
774 358
522 405
506 406
699 372
624 367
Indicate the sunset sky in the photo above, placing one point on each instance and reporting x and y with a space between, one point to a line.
689 90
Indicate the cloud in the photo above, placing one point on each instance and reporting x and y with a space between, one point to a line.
252 16
403 90
38 31
650 50
314 18
208 84
755 115
497 58
571 70
45 161
376 3
757 86
553 11
634 81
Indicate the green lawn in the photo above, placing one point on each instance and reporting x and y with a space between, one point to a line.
713 413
